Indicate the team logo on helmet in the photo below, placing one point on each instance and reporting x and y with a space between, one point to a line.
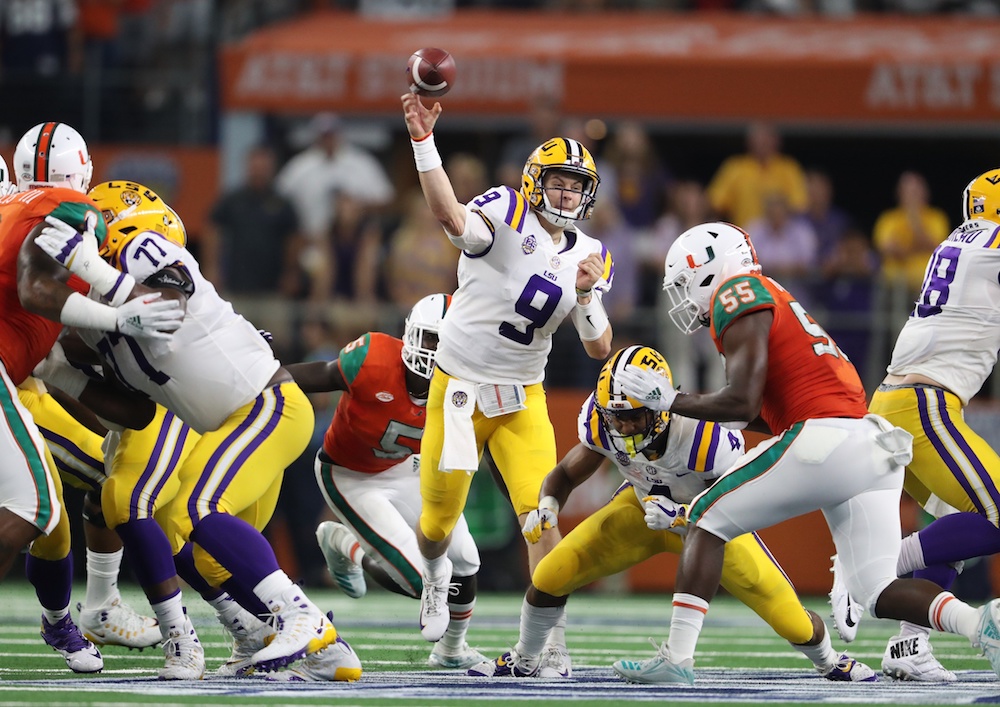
978 205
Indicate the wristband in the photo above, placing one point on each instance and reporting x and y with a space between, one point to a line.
590 319
80 311
68 379
549 503
584 293
425 153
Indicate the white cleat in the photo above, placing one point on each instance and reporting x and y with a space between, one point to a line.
910 657
301 627
185 657
118 624
465 658
434 612
846 669
336 663
847 613
248 635
65 638
555 663
335 540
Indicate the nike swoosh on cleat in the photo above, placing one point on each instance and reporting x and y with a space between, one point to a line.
847 619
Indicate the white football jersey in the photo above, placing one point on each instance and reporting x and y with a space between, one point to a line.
215 363
953 333
513 295
697 453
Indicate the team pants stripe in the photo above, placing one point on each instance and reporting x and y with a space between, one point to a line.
229 457
162 461
391 554
963 463
754 468
73 461
34 457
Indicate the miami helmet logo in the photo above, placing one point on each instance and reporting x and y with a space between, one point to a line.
709 257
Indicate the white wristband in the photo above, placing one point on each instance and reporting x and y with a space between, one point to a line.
80 311
67 379
590 319
425 153
549 503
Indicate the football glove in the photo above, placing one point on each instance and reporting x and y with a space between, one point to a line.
150 317
648 387
78 253
664 514
545 517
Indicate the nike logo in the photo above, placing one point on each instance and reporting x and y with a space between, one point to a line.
588 321
682 473
849 620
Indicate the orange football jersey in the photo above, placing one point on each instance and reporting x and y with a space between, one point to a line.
808 376
375 425
26 338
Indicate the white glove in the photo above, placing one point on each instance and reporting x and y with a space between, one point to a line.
150 317
78 253
66 245
664 514
545 517
649 387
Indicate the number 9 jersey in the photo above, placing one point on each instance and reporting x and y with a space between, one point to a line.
953 333
513 294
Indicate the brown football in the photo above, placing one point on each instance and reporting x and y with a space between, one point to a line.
431 72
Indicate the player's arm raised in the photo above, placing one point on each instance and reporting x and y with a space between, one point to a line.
434 181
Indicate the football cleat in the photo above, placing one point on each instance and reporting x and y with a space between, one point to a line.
119 625
847 613
466 657
81 655
509 665
434 613
910 657
846 669
336 663
301 630
248 634
657 670
555 663
988 638
334 539
185 657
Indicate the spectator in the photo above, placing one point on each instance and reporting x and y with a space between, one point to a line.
329 165
787 243
354 243
687 206
638 180
906 235
250 243
543 123
738 189
420 261
830 222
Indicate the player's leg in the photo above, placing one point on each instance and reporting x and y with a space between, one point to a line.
227 472
443 496
144 480
371 531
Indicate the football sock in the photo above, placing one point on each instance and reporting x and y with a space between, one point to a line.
958 536
536 623
102 577
170 613
947 613
237 546
53 582
685 626
149 552
822 654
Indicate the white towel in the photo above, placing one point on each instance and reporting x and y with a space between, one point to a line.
459 451
895 440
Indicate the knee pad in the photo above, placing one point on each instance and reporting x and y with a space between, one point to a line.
464 556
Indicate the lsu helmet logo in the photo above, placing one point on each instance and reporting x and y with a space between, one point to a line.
978 205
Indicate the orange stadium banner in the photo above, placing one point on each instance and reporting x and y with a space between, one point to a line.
872 69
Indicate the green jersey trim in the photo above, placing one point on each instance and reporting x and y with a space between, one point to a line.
352 360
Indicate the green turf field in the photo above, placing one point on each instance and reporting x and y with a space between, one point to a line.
739 661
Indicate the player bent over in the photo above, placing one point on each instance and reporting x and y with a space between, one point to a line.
369 471
666 461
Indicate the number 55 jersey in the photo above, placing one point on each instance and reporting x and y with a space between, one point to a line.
513 294
953 333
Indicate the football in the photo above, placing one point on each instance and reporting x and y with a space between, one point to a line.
431 72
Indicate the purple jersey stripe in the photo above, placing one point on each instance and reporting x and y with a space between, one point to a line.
699 432
590 416
948 459
712 447
993 238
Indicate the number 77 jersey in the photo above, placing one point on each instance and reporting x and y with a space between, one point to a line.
808 376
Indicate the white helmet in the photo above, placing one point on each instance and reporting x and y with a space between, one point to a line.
4 172
53 155
700 260
424 318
